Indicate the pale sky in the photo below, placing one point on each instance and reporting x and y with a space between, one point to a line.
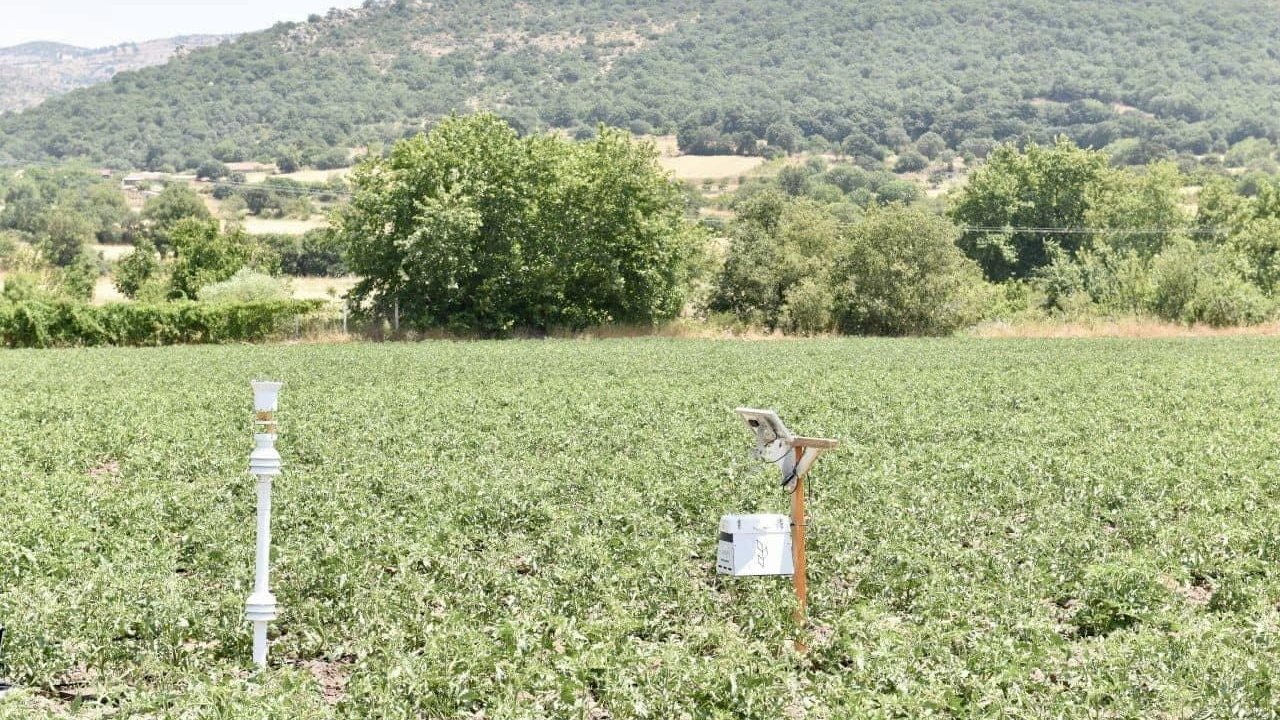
95 23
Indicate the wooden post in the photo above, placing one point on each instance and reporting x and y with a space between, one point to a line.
800 574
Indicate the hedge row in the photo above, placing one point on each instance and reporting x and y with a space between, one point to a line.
65 323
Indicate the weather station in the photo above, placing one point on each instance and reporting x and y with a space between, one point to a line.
264 465
762 545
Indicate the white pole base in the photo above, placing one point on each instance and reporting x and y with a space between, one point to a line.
260 643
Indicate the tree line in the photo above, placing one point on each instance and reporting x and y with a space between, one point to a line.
473 228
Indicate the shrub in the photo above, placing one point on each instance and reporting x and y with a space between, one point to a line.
1194 285
205 256
1116 595
900 273
775 244
134 270
809 308
246 286
1223 299
910 161
332 159
64 323
317 253
211 170
931 145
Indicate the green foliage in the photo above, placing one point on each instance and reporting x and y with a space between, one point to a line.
63 236
931 145
212 170
1138 211
66 202
719 72
1036 187
164 212
808 308
473 228
316 253
19 287
1252 230
204 256
47 323
780 251
246 286
441 546
900 273
1193 284
134 270
1119 594
910 161
847 187
78 279
288 162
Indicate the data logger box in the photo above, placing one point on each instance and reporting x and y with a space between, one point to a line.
755 545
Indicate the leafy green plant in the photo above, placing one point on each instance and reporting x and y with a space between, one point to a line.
900 273
1119 594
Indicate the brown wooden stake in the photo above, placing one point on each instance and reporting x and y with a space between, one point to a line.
800 576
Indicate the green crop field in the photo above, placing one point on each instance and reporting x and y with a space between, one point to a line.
527 529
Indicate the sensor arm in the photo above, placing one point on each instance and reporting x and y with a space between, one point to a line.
812 442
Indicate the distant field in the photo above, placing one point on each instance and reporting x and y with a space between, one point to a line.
527 529
313 176
310 176
710 167
259 226
317 288
113 252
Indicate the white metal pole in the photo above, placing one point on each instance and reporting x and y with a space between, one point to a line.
264 464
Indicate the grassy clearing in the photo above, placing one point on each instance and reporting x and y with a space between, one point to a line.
710 167
321 288
262 226
1032 529
314 176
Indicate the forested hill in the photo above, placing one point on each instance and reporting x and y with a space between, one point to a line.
1179 75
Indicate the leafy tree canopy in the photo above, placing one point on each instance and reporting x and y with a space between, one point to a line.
162 213
474 228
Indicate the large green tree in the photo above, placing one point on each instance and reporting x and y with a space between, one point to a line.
164 212
1025 202
474 228
203 256
64 235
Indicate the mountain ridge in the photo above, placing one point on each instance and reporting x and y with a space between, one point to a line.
727 75
31 72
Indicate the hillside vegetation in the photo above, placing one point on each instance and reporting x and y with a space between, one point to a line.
1183 75
32 72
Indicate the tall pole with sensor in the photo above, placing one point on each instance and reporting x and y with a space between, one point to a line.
794 455
264 465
